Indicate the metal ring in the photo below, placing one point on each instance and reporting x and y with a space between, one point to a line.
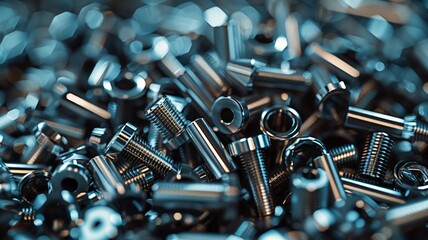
291 114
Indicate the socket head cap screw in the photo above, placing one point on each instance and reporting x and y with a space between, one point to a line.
246 145
120 139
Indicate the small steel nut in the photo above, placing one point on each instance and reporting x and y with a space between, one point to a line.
72 176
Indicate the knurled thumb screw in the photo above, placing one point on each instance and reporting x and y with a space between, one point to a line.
252 154
127 145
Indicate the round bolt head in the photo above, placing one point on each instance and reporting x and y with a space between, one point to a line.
120 139
245 145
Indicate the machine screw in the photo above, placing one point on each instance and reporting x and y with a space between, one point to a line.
141 175
344 155
251 152
170 121
127 145
309 193
408 128
278 179
375 157
49 142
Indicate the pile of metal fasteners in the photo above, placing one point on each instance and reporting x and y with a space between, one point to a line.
214 119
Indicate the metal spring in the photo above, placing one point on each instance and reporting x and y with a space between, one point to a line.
375 157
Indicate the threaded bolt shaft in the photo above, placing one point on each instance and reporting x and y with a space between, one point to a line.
141 175
27 214
204 173
167 118
344 155
421 132
251 152
375 157
279 179
128 146
354 175
122 165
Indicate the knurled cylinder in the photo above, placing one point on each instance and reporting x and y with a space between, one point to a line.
138 151
254 162
375 157
344 155
167 118
141 175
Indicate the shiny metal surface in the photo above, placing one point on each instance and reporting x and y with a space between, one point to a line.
326 163
210 147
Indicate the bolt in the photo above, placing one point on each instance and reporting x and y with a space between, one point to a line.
408 215
227 40
309 193
408 128
344 155
127 145
231 114
49 143
204 173
278 179
173 123
355 175
251 152
19 170
170 122
375 157
141 175
275 78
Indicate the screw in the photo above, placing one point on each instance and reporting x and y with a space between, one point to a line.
309 193
408 128
251 152
127 145
173 123
18 170
141 175
344 155
278 179
204 173
231 114
375 157
48 143
325 162
170 122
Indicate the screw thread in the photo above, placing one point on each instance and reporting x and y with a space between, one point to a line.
254 162
122 165
279 179
27 214
375 157
344 155
421 132
167 118
154 138
354 175
204 173
138 151
141 175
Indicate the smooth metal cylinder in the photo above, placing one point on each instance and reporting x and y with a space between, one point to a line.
275 78
409 214
381 194
19 170
211 79
107 177
197 196
210 147
326 163
227 40
310 191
